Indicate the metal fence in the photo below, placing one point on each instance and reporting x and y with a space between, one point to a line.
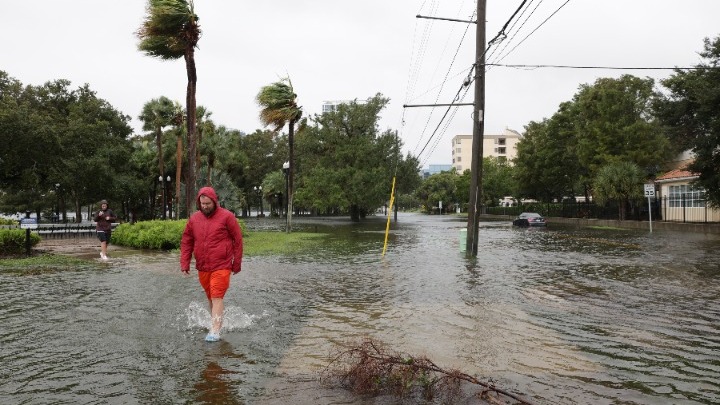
680 208
69 230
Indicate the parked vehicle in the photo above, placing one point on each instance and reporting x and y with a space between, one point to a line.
529 219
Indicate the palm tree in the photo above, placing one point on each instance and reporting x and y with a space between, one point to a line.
156 114
619 181
171 31
279 106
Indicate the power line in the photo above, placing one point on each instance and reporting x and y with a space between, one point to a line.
598 67
518 30
533 31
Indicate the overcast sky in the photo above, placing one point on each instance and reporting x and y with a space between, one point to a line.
343 50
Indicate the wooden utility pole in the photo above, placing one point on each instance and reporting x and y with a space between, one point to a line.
471 248
475 201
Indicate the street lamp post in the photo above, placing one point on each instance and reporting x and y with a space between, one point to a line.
286 170
258 190
161 179
169 192
57 201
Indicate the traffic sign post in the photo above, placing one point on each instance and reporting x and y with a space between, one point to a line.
650 192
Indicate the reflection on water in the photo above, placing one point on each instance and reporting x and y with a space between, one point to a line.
561 315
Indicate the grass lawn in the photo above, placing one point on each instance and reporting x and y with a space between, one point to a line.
256 243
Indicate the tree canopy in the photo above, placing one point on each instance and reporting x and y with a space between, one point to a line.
608 122
59 141
347 163
691 112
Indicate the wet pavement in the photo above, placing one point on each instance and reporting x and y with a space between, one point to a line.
560 315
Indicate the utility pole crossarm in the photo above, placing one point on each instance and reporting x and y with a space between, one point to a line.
437 105
445 19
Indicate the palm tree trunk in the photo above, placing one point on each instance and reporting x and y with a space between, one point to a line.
178 174
158 140
291 168
191 128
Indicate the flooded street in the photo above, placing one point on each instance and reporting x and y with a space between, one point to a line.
560 316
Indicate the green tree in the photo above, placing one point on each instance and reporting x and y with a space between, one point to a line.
462 184
498 180
619 182
31 145
347 164
278 103
273 190
171 31
440 187
547 166
692 114
59 142
89 166
615 123
408 179
609 121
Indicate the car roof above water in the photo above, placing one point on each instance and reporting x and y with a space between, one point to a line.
529 215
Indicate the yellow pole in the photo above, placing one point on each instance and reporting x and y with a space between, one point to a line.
389 213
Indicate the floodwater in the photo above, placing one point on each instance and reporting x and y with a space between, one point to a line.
560 316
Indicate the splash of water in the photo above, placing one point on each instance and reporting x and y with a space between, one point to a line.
234 318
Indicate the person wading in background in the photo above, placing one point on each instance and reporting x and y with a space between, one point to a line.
104 219
214 237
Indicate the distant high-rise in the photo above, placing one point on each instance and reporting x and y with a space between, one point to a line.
330 106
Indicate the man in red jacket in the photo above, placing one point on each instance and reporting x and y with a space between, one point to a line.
213 235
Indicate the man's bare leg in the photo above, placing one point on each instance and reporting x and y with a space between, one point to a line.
217 307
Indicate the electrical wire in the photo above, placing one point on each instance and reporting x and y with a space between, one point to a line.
533 31
532 67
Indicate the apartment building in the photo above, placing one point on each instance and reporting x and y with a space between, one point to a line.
502 146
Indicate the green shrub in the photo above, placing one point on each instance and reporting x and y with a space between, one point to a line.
157 234
12 241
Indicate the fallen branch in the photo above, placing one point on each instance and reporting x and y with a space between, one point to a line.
367 367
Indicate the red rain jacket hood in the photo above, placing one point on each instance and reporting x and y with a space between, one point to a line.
215 240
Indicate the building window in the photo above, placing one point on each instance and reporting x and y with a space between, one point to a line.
500 151
501 141
686 195
459 150
459 158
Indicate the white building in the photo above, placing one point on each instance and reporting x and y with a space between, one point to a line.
502 146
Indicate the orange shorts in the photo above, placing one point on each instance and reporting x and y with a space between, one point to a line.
215 283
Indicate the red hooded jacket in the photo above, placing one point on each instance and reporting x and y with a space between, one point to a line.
215 239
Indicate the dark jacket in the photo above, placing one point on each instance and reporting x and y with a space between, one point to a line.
215 240
102 223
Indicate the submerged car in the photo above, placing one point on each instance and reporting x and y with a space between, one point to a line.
529 219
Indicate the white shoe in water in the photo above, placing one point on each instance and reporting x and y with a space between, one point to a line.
212 337
103 256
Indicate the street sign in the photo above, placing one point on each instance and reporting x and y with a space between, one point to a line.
650 193
28 223
649 190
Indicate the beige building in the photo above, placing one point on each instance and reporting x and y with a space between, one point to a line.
502 146
681 200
